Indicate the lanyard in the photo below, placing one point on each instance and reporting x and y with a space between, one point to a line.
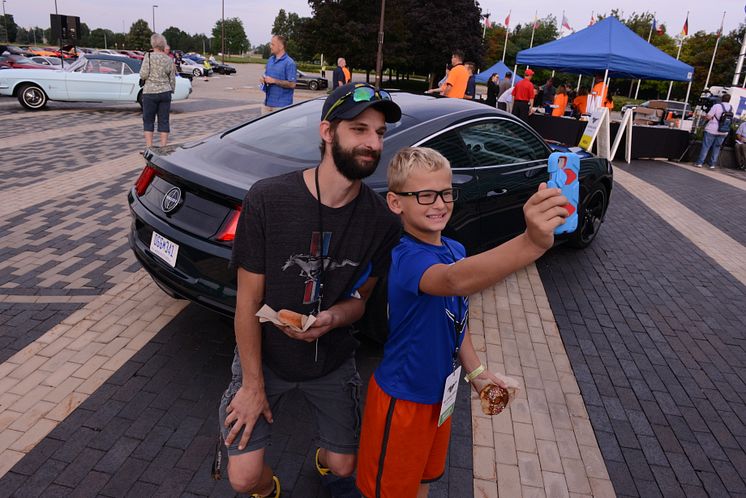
459 325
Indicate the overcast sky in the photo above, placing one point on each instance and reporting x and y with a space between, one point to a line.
199 16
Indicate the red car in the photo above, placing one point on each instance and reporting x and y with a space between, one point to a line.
20 62
132 53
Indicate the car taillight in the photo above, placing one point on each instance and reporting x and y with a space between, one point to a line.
228 232
145 178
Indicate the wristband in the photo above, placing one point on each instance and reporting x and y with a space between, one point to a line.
474 373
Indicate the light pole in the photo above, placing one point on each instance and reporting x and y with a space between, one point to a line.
154 7
222 35
5 22
379 56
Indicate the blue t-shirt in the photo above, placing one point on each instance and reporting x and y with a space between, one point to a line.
281 69
418 355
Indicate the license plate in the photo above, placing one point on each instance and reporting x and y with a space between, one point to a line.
164 248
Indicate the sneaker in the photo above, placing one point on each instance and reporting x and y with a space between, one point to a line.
697 165
338 487
275 491
712 167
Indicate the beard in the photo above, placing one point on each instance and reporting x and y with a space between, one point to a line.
349 162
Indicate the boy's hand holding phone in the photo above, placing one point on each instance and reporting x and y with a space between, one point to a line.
544 211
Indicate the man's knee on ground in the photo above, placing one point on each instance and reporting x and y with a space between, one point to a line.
341 465
244 474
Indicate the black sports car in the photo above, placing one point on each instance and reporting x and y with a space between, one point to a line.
185 204
311 82
222 68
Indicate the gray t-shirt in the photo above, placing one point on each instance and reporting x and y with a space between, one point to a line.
278 236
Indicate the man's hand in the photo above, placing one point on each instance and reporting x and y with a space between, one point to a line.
544 211
244 410
325 321
269 80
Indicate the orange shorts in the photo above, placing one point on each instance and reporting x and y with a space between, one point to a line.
401 445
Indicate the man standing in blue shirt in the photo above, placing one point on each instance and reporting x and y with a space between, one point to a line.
279 77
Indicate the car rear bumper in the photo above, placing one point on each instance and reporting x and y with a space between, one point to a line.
201 274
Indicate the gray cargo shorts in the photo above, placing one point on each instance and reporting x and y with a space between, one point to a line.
334 399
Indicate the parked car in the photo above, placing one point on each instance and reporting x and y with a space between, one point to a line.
12 50
54 62
186 202
196 68
21 62
673 106
91 78
132 53
312 82
44 52
222 68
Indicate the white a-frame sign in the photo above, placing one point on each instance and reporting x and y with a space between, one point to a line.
625 128
598 126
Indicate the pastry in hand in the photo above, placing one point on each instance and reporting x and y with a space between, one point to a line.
291 318
494 399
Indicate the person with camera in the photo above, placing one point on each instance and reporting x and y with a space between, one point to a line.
719 120
158 81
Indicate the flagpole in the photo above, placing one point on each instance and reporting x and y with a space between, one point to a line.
678 53
486 20
562 26
717 42
650 35
533 29
507 30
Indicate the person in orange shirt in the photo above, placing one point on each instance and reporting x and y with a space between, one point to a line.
560 101
523 95
458 77
581 102
609 103
598 94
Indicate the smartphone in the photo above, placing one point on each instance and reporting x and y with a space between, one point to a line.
564 169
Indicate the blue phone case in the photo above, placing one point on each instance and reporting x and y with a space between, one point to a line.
565 176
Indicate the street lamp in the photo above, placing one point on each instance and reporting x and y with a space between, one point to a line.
154 6
379 55
5 22
222 35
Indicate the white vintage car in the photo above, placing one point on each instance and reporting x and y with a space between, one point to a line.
91 78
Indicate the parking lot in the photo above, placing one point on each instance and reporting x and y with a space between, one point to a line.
631 352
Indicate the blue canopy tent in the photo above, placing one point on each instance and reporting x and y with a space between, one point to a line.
500 68
607 45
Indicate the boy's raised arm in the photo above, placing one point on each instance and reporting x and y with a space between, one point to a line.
544 212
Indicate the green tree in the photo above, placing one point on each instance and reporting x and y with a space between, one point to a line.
12 29
138 37
177 39
101 38
296 31
235 36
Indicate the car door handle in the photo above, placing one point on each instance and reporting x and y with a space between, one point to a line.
493 193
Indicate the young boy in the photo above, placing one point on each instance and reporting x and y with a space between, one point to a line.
404 436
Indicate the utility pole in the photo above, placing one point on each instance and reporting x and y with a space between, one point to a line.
379 57
222 34
154 7
5 22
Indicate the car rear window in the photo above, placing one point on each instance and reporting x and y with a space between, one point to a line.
292 132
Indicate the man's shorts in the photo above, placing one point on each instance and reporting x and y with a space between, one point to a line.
401 445
334 400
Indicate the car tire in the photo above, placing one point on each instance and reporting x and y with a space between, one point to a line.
590 216
32 97
313 85
197 73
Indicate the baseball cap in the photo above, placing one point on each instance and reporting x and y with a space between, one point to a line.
347 101
529 72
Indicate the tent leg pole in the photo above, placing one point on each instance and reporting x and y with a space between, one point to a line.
686 101
668 95
515 72
580 77
638 89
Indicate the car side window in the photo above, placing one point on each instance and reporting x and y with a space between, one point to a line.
452 147
126 69
502 142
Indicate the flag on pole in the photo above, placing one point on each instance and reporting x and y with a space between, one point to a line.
565 22
536 23
486 20
593 20
720 31
654 29
685 29
507 20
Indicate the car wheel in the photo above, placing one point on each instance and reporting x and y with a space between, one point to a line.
32 97
590 217
314 85
196 72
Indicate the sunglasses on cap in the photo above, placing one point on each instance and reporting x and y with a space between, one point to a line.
361 93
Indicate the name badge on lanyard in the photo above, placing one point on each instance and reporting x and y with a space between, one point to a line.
449 396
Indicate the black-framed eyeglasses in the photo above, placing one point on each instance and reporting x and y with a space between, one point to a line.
427 197
362 93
